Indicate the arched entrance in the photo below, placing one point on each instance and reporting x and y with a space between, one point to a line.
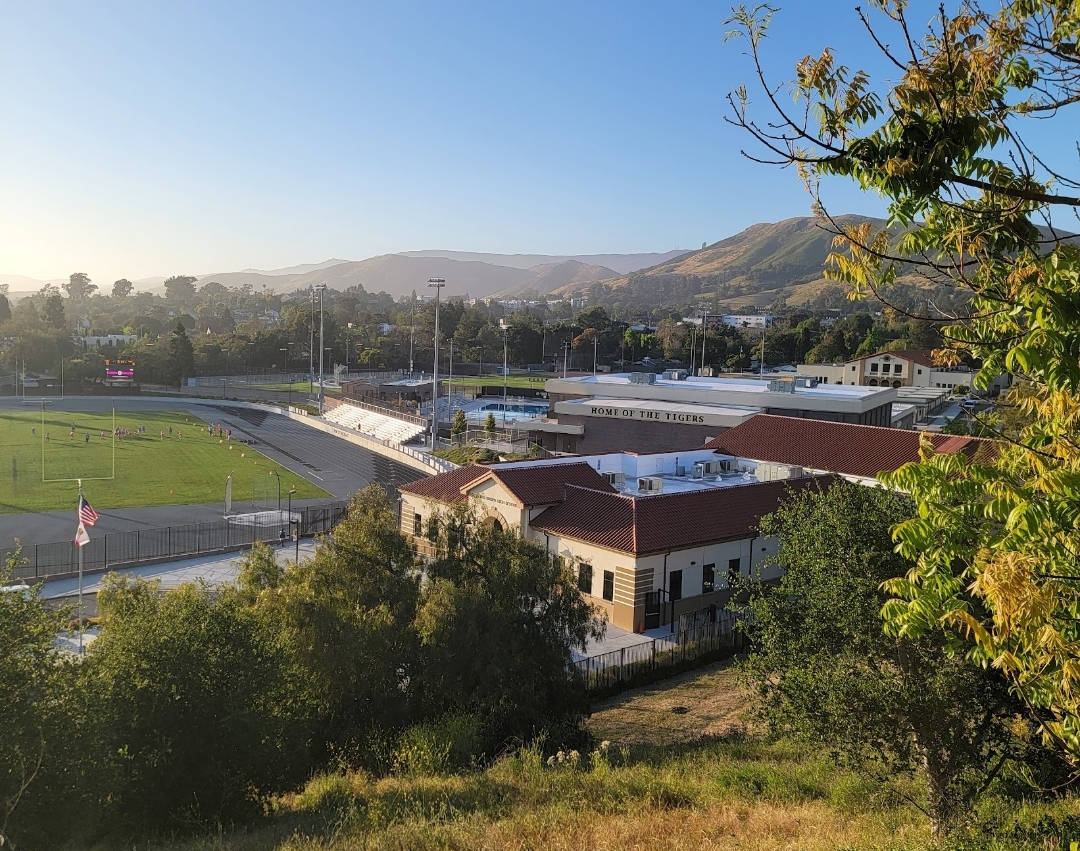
872 382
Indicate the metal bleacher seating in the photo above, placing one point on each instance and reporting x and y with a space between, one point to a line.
373 424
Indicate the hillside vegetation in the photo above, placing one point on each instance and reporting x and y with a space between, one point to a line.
673 769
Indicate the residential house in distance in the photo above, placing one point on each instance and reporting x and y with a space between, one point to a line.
903 368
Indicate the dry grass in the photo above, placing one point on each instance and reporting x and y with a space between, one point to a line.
702 703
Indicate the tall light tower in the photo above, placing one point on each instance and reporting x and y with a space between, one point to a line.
505 328
438 284
704 334
311 347
322 352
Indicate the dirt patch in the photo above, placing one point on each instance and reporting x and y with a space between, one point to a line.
705 702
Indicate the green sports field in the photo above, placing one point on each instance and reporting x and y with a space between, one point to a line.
534 381
295 387
149 470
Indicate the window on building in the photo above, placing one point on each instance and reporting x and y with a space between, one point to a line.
708 579
853 369
898 368
417 524
919 371
609 585
873 367
584 578
734 571
675 585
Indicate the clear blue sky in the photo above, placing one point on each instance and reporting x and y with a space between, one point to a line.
146 138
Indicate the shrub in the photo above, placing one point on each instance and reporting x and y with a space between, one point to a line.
439 747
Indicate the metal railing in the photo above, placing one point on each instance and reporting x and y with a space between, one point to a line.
640 664
144 546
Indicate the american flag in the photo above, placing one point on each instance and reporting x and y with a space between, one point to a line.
87 514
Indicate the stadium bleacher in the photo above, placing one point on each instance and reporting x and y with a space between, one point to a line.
379 426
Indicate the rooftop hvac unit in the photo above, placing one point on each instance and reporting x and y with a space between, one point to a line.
680 471
699 470
642 377
781 386
705 372
616 480
718 466
806 381
675 375
650 484
778 472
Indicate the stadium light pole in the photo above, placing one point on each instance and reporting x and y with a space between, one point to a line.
285 355
311 347
502 324
704 334
322 289
437 284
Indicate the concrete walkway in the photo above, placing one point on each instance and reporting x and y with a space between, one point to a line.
215 570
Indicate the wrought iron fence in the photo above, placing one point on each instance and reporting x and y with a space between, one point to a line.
640 664
141 546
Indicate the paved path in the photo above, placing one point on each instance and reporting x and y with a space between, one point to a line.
337 466
213 569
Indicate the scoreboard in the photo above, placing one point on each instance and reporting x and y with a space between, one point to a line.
119 371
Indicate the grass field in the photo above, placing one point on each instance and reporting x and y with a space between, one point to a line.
534 381
149 470
296 387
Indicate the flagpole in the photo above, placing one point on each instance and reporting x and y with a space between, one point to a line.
80 546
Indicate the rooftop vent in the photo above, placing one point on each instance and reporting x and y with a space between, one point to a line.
642 377
615 479
650 484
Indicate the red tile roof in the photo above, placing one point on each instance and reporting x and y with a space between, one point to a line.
547 483
852 450
446 487
649 524
535 484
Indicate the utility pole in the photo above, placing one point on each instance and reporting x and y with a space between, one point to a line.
322 352
595 342
566 356
412 325
437 284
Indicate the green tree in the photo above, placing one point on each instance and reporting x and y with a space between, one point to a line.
346 614
122 288
181 355
489 424
78 286
460 425
489 587
5 308
37 707
53 312
968 199
206 734
180 288
820 651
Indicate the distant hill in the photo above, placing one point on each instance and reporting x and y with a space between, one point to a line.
547 277
621 264
754 268
399 275
302 269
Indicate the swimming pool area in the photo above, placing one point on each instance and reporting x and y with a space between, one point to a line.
477 410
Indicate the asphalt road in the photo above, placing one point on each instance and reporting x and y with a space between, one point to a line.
337 466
